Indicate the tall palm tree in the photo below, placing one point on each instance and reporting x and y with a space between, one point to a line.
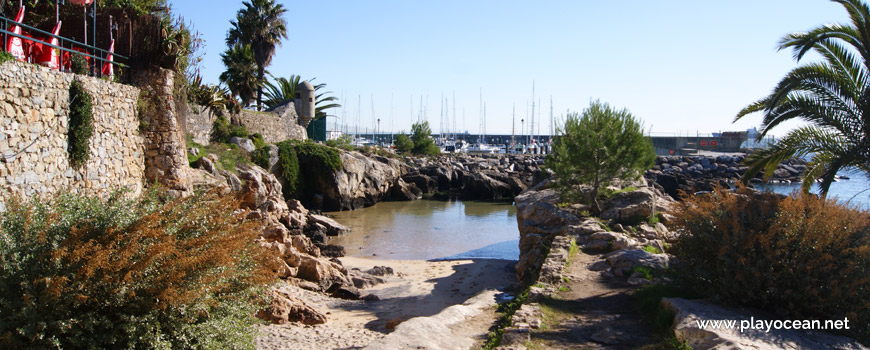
284 89
832 95
239 76
261 25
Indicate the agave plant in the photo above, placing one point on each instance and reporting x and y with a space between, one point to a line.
832 95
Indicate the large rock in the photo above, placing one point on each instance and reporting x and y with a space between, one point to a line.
634 205
424 182
539 219
690 312
333 228
479 186
361 182
624 261
403 191
285 308
244 143
323 272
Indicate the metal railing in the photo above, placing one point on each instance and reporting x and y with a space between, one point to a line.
97 54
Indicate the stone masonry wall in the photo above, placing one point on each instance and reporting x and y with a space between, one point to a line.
34 117
165 157
275 126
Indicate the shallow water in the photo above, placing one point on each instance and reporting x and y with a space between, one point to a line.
431 229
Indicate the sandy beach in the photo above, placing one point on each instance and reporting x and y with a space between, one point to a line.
418 290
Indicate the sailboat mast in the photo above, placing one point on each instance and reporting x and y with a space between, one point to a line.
513 124
532 119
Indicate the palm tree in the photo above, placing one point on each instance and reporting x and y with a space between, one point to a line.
832 95
284 89
239 76
261 25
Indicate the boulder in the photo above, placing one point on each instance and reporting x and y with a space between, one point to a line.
424 182
689 312
343 291
244 143
324 273
403 191
333 228
304 245
285 308
380 271
624 261
477 186
362 279
362 181
332 251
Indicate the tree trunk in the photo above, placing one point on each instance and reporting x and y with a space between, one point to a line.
261 71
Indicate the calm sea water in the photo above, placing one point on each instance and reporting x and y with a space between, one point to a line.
431 229
855 191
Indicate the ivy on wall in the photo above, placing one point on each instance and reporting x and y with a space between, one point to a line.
81 124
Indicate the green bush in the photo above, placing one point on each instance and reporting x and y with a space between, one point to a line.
261 156
421 135
79 65
596 148
289 163
403 143
81 272
344 142
319 161
258 140
222 130
801 257
81 124
5 56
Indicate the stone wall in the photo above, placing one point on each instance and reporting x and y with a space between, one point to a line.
34 109
165 157
275 126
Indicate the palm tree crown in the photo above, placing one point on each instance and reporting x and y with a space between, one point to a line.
832 95
240 75
261 25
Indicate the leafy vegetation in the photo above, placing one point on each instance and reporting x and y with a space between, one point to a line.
648 300
229 156
508 310
240 75
596 148
831 95
289 162
222 130
259 26
81 124
652 249
403 143
344 142
421 136
5 56
81 272
801 257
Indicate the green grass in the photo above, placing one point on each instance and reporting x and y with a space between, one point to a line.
564 288
646 271
229 155
5 56
648 301
652 249
494 337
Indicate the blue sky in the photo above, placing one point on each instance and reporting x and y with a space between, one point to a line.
679 66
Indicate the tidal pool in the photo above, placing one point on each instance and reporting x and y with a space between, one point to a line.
431 229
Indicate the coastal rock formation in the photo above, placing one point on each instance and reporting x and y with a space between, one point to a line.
540 219
686 329
699 173
362 181
285 308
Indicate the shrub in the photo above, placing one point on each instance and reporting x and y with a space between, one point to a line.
81 124
222 130
801 257
403 143
261 156
596 148
289 163
79 65
5 56
258 140
421 135
80 272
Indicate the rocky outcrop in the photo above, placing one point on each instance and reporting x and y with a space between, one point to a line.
362 181
634 206
540 219
691 174
285 308
689 312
